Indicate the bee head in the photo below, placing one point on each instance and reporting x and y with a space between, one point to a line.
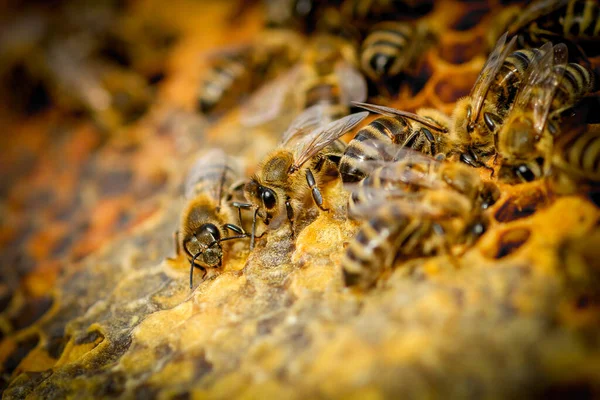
203 245
264 198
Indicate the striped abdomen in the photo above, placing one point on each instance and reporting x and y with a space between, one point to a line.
225 83
375 246
383 131
581 20
576 82
212 176
580 153
388 49
508 80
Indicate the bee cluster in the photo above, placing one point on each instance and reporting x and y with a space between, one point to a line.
418 184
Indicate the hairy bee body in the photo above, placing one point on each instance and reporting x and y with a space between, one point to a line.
375 246
581 20
299 166
207 216
389 49
506 84
576 82
413 207
394 130
577 21
526 140
576 160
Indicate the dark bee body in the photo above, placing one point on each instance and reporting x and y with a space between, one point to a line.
205 221
389 49
506 84
576 160
577 81
418 132
582 20
577 21
376 244
298 167
411 208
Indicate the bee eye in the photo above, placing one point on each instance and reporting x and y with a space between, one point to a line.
268 198
213 230
525 173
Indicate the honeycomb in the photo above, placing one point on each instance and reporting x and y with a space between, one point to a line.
90 307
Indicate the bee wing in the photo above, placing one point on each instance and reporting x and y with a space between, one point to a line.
210 174
541 107
320 137
268 101
488 73
379 202
353 85
532 12
541 81
392 112
304 123
376 154
538 69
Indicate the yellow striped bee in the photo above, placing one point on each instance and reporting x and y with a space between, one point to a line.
205 221
413 207
476 116
301 163
576 21
576 160
390 48
525 140
425 132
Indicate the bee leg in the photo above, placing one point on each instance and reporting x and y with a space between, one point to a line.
290 214
430 139
239 207
316 193
236 229
253 237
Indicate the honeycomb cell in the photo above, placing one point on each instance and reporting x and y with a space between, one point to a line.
510 241
522 205
31 311
21 350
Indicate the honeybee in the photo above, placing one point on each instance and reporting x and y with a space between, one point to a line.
473 137
547 20
426 132
239 71
525 140
204 224
365 13
300 164
416 206
326 75
576 160
390 48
